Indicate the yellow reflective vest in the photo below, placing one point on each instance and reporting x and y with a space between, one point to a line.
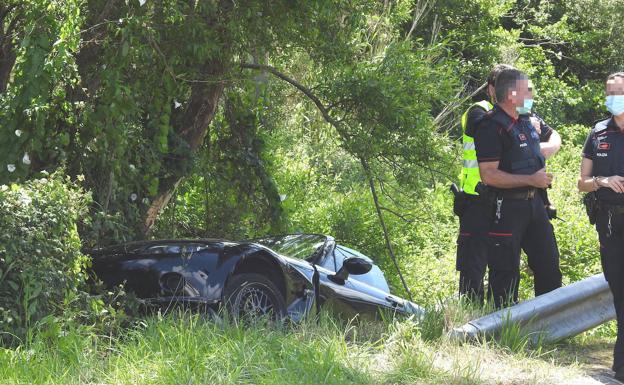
470 176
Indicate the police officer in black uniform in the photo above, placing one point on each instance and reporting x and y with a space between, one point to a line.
511 163
474 216
602 171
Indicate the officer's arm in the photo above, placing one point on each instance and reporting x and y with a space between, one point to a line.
550 147
589 182
586 181
492 176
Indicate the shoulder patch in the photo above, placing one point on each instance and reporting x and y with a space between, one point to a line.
601 125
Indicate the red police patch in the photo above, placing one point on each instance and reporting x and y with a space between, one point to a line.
604 146
522 137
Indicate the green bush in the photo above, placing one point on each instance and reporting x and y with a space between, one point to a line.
40 259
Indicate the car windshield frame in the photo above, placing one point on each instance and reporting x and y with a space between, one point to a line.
311 246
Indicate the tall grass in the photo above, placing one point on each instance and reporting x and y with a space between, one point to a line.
185 348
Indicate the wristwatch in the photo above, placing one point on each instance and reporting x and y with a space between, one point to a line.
595 179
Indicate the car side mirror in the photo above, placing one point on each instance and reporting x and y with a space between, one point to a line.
353 265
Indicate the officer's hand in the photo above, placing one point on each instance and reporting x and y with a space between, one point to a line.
537 124
615 183
541 179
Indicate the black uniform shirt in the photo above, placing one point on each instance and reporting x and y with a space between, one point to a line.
475 115
492 138
605 147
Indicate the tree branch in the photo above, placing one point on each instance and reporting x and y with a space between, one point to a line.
403 217
373 190
306 91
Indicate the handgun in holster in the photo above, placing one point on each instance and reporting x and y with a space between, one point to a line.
551 210
487 197
460 201
591 206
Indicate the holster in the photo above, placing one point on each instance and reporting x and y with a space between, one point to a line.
551 211
460 203
487 196
591 206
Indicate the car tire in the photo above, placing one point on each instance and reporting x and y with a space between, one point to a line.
253 296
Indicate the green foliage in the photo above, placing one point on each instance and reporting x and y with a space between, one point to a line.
182 348
231 193
136 97
40 260
125 94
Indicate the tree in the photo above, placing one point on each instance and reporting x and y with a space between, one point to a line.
124 92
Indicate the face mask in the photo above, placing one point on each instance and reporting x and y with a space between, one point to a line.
615 104
526 108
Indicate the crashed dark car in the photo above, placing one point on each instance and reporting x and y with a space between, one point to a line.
283 276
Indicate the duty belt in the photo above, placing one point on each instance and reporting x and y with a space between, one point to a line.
517 194
614 209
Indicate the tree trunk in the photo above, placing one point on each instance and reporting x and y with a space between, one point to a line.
7 61
10 28
192 128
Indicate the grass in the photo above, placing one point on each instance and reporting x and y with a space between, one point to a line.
185 349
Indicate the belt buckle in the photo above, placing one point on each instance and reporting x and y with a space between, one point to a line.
531 194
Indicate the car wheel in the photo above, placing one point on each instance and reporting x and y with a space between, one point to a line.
253 296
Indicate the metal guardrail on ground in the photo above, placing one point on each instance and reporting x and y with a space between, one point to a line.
562 313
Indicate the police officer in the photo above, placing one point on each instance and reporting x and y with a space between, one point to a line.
602 171
474 221
511 163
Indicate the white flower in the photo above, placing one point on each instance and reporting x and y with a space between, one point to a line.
133 196
25 199
176 104
11 167
4 187
26 159
145 201
18 133
142 2
132 167
282 197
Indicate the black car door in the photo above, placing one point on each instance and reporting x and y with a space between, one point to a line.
355 296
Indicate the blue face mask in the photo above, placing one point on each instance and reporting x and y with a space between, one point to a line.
526 108
615 104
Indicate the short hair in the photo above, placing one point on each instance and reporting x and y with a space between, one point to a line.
615 75
491 79
506 80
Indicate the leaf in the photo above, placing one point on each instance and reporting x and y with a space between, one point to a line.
36 291
32 308
14 285
125 48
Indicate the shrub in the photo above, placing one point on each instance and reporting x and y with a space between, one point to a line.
40 259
